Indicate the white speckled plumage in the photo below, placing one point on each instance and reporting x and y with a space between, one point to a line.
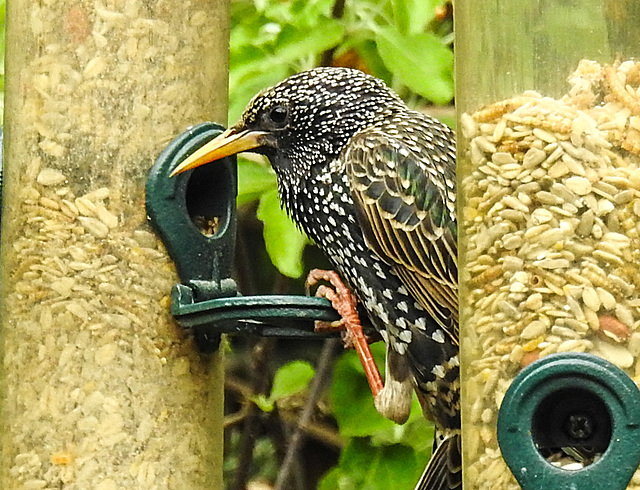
373 184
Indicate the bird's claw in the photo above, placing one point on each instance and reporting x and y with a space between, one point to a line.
344 302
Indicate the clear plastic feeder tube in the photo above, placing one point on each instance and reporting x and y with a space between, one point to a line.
100 388
549 184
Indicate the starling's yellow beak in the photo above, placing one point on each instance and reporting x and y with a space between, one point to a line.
228 143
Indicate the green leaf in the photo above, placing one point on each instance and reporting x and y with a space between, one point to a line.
290 379
307 13
351 397
448 120
393 467
261 5
356 457
251 35
416 432
295 44
368 51
284 241
254 179
299 13
351 471
372 468
243 85
331 479
265 404
421 61
412 16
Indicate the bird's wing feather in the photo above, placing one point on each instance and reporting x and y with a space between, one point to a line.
444 470
404 192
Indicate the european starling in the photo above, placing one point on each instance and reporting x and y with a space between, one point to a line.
373 184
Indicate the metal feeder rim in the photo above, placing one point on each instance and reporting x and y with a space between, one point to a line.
570 371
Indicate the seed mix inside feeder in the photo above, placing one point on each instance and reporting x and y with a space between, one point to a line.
552 212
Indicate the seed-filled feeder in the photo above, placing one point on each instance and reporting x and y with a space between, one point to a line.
100 389
549 186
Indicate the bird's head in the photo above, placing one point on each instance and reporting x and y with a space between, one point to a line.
303 121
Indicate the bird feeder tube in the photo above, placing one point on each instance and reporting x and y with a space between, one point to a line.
100 388
549 189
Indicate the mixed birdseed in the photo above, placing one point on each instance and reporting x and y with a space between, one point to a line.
551 212
100 388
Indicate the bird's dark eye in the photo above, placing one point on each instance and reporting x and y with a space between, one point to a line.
278 115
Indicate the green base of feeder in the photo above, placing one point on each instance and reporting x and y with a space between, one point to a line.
571 400
207 302
285 316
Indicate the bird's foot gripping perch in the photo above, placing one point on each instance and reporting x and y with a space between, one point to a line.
344 302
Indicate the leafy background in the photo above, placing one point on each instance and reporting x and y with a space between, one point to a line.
343 443
347 444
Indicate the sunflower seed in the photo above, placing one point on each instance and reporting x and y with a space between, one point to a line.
50 177
579 185
94 226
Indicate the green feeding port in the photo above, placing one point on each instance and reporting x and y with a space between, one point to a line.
571 417
578 403
548 169
194 213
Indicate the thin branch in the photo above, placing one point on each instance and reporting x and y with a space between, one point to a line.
261 380
317 385
237 417
280 434
321 432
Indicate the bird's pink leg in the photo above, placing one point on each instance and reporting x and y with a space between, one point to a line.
344 302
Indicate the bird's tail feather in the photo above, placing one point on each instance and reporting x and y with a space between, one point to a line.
444 470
